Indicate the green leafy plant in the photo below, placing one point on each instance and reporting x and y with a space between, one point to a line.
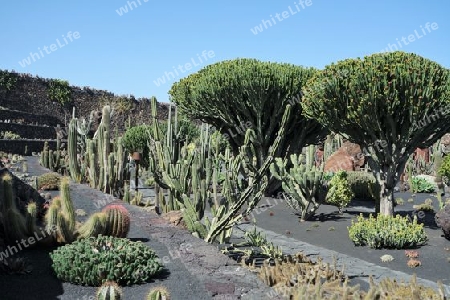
363 185
7 81
339 192
136 139
421 185
93 261
59 90
387 232
444 169
9 135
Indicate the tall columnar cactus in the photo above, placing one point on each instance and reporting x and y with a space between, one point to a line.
103 137
118 221
31 216
109 291
302 182
93 175
66 203
44 156
74 167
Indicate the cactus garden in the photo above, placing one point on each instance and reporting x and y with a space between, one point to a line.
283 174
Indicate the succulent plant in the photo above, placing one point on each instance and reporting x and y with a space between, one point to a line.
95 260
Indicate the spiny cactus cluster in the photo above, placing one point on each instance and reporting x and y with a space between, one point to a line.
95 260
61 215
297 277
109 291
113 220
302 182
16 225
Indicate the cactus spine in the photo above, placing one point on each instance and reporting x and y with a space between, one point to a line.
109 291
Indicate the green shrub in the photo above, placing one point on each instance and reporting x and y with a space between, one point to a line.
94 261
59 91
49 181
387 232
7 81
339 192
363 185
136 139
9 135
421 185
444 169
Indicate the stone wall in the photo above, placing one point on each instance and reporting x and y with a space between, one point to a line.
30 95
18 117
24 147
29 131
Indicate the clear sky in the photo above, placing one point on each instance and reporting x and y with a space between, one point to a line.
142 47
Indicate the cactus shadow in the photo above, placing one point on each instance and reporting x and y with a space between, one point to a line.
144 240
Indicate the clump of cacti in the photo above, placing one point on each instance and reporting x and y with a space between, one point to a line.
14 222
109 290
302 182
158 293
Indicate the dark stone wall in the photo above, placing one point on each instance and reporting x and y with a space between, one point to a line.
18 117
19 146
29 131
30 95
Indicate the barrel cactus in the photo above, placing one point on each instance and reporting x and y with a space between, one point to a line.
158 293
109 291
117 221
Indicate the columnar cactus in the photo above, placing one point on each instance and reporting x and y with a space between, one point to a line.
109 291
118 221
74 167
302 182
31 216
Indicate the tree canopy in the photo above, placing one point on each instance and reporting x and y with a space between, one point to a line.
388 103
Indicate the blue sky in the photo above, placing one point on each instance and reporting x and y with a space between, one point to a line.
132 47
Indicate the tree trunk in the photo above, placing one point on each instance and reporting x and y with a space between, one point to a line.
387 183
386 200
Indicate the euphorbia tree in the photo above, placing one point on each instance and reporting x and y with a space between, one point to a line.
236 95
388 103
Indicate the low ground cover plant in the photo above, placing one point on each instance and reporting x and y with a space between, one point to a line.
421 185
93 261
387 232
